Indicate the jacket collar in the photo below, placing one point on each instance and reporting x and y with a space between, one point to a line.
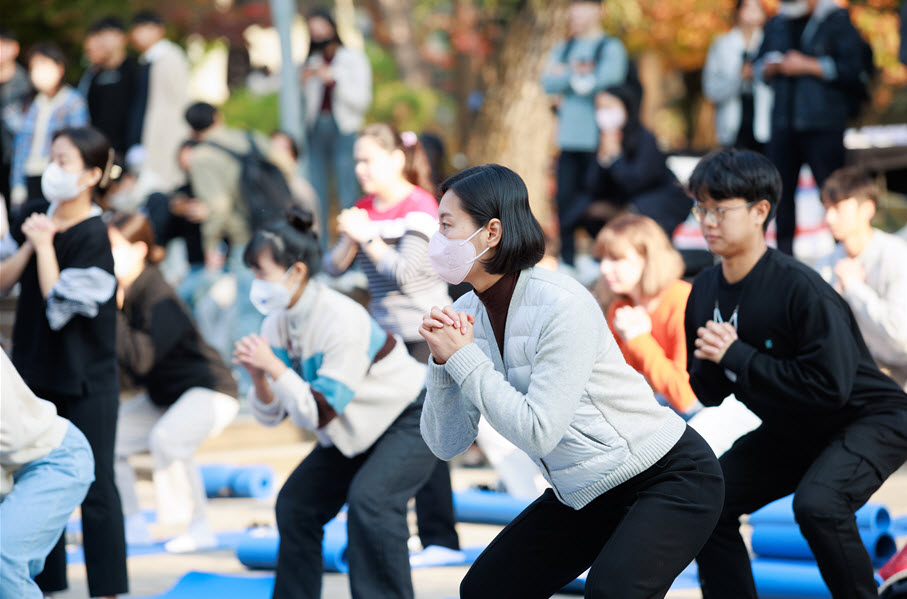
303 307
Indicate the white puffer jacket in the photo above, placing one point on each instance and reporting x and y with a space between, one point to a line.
562 391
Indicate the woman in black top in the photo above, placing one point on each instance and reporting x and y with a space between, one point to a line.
188 392
630 172
64 336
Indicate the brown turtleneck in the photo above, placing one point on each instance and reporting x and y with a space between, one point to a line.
496 300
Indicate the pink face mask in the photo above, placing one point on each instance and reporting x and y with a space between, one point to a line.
452 259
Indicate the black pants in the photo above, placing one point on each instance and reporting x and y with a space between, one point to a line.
636 537
572 197
831 480
434 501
823 151
102 515
376 485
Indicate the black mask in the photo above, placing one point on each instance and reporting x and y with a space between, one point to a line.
319 45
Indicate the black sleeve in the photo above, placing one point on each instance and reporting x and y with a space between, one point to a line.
775 37
846 50
707 379
90 248
641 172
821 373
140 350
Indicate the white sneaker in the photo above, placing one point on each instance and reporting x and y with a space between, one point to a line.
199 537
137 531
436 555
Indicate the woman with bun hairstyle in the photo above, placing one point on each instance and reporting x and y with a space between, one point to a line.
64 338
322 361
187 391
530 352
386 234
642 268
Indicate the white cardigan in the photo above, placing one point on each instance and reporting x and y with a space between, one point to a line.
352 89
721 83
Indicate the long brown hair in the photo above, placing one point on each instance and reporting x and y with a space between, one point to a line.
416 168
663 263
135 227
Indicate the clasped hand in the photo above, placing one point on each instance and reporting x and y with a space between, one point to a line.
446 331
39 229
713 340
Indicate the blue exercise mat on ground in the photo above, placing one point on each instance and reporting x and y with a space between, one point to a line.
207 585
487 507
872 516
779 579
784 541
224 480
688 579
225 540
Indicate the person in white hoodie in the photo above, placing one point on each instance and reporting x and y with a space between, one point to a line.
743 103
46 467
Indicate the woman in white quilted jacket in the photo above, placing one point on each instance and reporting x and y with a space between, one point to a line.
634 492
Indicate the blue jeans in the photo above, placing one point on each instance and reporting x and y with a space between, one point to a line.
33 515
331 150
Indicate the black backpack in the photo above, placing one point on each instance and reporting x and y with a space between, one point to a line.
262 186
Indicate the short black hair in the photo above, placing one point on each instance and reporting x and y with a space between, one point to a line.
726 174
494 191
850 182
290 241
49 50
110 22
147 17
200 116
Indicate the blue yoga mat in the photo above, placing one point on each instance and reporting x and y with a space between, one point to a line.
872 516
258 548
487 507
779 579
224 480
205 585
688 579
784 541
225 540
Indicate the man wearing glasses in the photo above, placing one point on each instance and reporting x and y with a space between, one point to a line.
769 330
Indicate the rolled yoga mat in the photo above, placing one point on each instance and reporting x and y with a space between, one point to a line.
872 516
487 507
223 480
784 541
779 579
258 548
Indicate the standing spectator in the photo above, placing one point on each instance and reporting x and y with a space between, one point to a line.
108 84
643 270
64 338
15 91
578 68
189 393
868 268
768 329
46 469
338 374
743 103
812 57
629 172
387 234
56 106
337 91
164 96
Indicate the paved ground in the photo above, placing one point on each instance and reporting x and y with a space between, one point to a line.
283 448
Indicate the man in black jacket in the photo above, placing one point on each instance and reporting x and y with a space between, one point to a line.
812 57
769 330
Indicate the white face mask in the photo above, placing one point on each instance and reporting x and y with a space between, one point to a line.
794 9
452 259
268 296
124 260
59 185
610 119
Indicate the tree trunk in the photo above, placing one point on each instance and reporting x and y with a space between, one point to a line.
515 126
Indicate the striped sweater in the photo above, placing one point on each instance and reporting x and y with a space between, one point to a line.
402 285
